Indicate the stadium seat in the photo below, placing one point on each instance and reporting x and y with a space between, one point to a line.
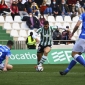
14 33
67 19
59 19
51 19
7 26
66 24
75 19
1 19
17 19
58 24
21 39
51 24
73 38
9 19
23 33
16 26
73 25
24 26
46 16
79 31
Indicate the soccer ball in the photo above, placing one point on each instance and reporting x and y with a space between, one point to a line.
39 68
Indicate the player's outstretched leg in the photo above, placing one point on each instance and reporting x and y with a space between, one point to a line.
70 66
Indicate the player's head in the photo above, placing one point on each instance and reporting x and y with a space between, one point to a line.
10 44
31 33
46 24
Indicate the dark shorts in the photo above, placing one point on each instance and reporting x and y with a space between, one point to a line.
41 48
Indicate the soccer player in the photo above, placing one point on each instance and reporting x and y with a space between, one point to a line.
45 42
79 46
4 56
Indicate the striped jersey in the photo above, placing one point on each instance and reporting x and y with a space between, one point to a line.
82 18
46 35
4 51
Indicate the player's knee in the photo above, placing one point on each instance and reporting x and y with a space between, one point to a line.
45 52
10 67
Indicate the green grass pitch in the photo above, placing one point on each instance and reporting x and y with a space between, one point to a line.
26 75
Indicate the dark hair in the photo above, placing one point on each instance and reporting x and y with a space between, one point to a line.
9 42
46 23
31 33
67 26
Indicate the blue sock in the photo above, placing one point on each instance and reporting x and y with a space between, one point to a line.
72 64
80 59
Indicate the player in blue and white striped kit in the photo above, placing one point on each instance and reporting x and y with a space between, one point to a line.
4 56
79 46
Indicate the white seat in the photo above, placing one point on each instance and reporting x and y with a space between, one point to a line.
17 19
73 25
66 24
23 33
16 26
14 33
58 24
67 19
75 19
21 39
7 26
51 19
9 19
79 31
46 16
24 26
51 24
59 19
1 19
73 38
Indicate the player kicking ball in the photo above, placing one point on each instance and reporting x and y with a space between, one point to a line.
45 44
4 56
79 46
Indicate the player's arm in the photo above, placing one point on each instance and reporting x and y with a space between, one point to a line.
76 27
8 54
35 36
78 24
6 63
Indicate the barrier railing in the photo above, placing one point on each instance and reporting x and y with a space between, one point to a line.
22 44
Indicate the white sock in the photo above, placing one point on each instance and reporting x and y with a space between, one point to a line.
43 59
76 56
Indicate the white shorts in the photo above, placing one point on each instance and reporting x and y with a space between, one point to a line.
1 66
79 46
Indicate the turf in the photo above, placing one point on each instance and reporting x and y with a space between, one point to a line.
26 75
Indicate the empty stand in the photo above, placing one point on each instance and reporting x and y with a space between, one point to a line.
24 26
17 19
9 19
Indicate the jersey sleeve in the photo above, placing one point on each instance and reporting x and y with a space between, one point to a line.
39 31
8 54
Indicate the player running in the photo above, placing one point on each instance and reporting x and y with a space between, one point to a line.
79 46
45 42
4 55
